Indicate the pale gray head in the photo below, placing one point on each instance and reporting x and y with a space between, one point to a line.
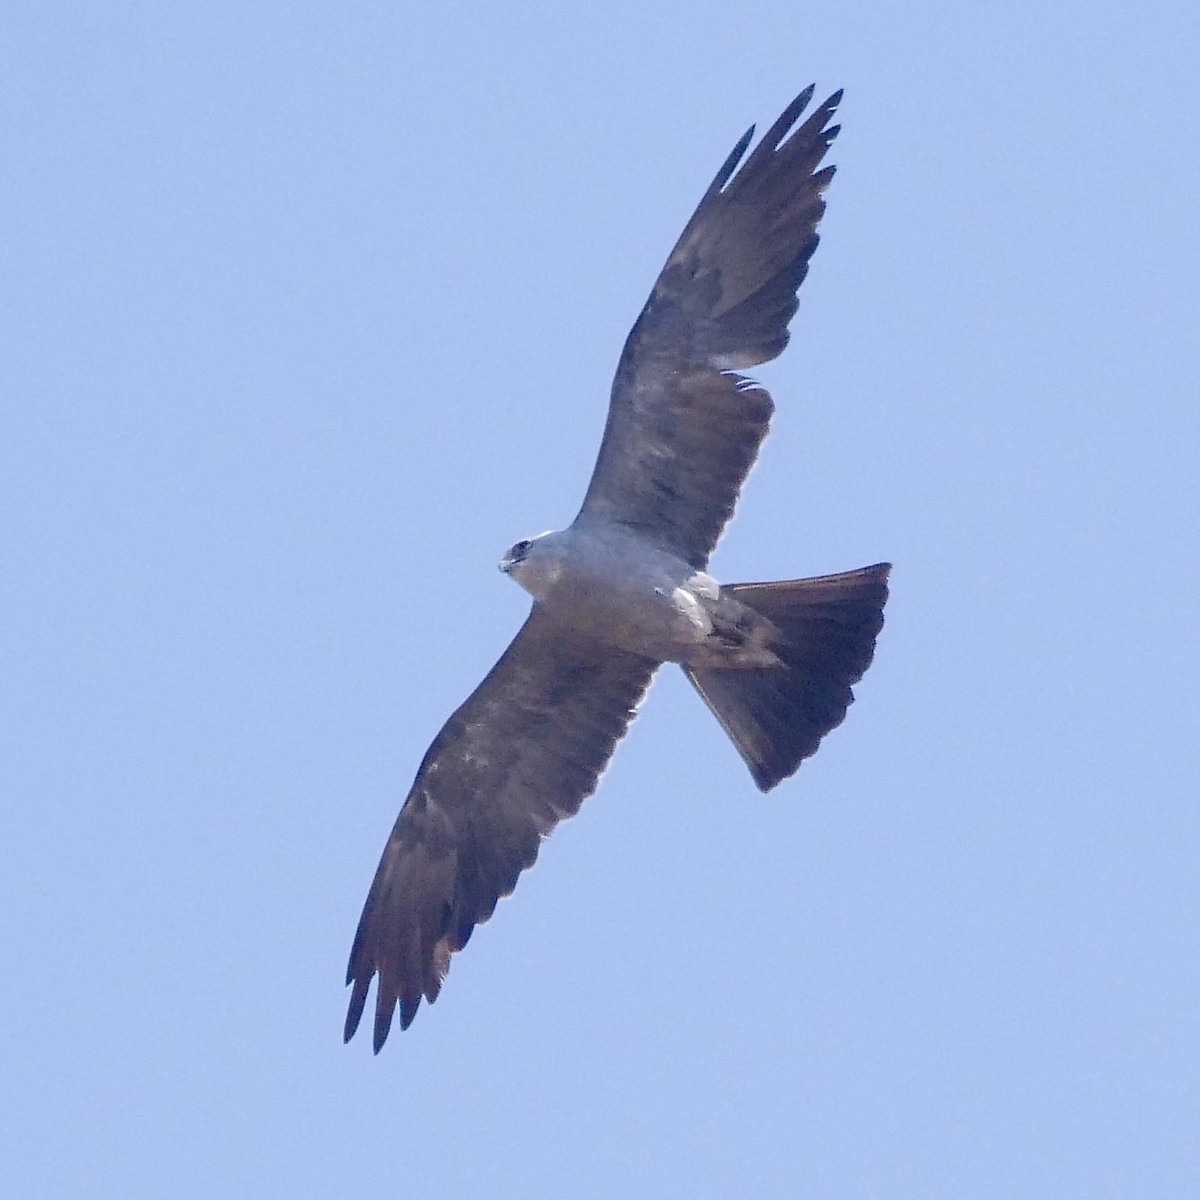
530 561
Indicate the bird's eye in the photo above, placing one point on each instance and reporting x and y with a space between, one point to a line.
518 552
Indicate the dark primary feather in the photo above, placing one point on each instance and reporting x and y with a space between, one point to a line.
520 755
683 429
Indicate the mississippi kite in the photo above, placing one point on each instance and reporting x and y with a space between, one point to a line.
624 588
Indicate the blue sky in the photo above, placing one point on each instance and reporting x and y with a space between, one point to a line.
309 311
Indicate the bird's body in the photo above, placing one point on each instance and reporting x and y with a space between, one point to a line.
625 588
605 582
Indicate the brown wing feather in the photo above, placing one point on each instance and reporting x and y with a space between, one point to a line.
519 756
683 430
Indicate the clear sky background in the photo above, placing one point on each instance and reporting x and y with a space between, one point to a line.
309 311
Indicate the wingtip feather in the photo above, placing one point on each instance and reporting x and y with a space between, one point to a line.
730 164
383 1023
801 101
358 1000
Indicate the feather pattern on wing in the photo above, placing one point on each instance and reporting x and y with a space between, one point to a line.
520 755
684 429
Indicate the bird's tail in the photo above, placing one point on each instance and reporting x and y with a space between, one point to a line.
776 716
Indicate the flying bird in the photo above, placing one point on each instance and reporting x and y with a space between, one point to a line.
625 588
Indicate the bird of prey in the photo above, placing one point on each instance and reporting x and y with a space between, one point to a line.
625 589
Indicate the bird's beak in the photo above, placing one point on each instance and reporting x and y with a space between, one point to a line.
505 564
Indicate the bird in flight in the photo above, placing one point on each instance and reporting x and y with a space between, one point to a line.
625 589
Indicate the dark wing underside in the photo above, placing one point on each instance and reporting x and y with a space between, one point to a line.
520 755
683 429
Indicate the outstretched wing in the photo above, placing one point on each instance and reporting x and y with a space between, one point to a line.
519 756
683 429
